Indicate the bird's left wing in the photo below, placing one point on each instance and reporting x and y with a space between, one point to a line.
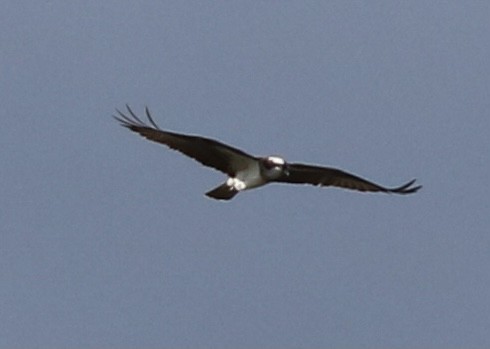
208 152
325 176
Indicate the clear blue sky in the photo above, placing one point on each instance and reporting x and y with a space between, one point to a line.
108 241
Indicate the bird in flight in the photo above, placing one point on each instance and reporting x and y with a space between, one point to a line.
246 171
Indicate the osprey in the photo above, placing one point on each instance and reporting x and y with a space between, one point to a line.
246 171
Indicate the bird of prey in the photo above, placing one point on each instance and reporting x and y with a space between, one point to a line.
246 171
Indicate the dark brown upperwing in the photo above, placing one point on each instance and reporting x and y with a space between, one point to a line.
207 151
324 176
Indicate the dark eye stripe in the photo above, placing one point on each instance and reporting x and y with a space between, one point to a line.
270 164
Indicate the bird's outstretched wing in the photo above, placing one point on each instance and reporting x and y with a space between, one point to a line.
207 151
324 176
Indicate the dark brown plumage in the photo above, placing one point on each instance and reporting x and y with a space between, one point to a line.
247 171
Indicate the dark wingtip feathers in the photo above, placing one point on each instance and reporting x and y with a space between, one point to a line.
147 112
132 121
406 188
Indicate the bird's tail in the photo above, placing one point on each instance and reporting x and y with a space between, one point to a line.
222 192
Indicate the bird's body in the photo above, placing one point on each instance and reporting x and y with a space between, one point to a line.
246 171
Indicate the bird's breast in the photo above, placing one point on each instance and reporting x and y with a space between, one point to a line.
252 177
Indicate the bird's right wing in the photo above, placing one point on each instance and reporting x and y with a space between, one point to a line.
208 152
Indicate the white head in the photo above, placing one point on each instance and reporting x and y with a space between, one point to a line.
273 167
276 160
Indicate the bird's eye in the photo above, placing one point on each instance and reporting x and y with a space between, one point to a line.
272 163
269 164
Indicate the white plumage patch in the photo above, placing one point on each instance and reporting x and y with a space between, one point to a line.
236 183
276 160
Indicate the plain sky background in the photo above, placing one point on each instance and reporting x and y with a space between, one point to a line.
108 241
